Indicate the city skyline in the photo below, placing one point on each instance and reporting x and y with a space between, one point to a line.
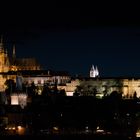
78 60
71 39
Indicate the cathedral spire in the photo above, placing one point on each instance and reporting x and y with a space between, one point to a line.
96 71
14 51
13 55
92 67
92 71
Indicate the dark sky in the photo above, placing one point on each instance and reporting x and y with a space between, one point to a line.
74 38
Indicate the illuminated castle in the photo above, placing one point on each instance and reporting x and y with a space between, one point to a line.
13 64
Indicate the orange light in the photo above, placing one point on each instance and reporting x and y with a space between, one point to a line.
13 128
19 127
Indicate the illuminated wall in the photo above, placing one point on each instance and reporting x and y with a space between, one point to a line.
14 99
126 86
19 99
131 86
71 87
39 81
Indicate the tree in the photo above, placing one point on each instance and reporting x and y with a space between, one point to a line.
115 95
32 90
76 93
46 90
135 95
94 91
10 86
62 92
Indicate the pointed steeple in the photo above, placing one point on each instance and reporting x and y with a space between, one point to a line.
92 67
14 51
96 71
92 71
13 55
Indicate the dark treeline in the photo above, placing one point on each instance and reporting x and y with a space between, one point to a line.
110 114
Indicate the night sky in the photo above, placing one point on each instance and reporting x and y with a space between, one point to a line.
73 39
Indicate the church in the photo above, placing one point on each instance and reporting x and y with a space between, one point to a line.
29 69
12 63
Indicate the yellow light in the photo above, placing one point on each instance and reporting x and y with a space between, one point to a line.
14 100
19 127
138 133
20 130
13 128
55 128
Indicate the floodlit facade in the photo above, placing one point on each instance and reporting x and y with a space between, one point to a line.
19 99
14 99
13 64
127 86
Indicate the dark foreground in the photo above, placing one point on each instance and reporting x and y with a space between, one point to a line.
67 137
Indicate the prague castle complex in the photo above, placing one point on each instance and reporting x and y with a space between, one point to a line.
31 72
31 96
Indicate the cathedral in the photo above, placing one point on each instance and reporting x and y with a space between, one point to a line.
28 69
4 60
12 63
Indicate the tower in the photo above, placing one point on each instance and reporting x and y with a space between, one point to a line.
1 55
14 52
94 72
4 64
4 61
13 66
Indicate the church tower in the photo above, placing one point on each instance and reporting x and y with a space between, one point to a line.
4 61
13 66
4 64
94 72
14 52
